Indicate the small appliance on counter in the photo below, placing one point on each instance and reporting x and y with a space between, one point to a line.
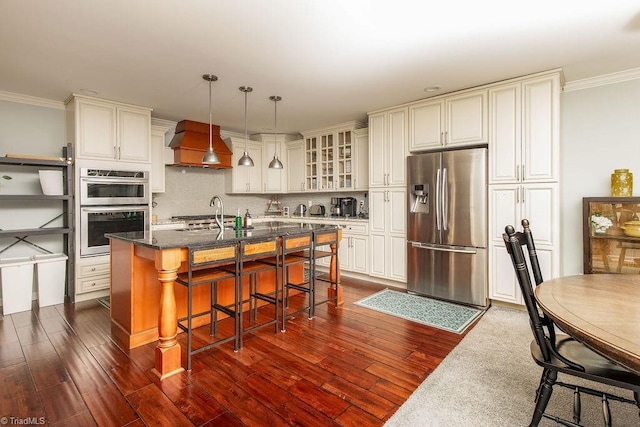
344 207
301 210
336 208
317 210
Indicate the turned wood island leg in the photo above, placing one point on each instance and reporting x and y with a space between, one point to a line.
334 273
168 351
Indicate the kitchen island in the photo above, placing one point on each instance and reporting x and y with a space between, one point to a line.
144 266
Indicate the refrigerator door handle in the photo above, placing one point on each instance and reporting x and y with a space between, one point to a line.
443 249
437 202
444 200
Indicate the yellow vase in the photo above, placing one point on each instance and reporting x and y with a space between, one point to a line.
621 183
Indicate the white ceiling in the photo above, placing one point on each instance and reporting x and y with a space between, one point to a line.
331 60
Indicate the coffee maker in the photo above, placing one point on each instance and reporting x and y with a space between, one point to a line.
336 206
344 206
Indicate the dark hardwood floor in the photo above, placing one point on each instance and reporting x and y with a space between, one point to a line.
351 367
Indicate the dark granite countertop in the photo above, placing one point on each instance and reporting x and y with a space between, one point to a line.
167 239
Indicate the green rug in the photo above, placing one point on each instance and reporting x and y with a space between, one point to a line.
439 314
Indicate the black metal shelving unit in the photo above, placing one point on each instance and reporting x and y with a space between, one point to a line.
67 231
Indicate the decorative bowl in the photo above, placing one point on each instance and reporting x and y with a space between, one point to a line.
632 228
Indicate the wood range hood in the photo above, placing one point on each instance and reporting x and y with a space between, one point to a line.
191 142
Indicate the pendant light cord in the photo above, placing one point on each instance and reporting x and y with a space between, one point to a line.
246 159
275 163
210 157
245 120
210 121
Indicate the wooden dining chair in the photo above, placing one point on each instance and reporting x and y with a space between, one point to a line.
559 353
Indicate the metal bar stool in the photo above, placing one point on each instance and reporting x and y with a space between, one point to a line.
325 244
207 266
294 250
251 262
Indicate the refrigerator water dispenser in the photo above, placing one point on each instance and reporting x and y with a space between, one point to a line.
419 198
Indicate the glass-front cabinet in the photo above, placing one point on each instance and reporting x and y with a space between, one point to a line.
311 161
326 162
344 159
611 234
332 158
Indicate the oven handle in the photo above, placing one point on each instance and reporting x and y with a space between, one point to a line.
127 208
114 180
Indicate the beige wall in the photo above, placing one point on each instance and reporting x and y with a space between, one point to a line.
600 132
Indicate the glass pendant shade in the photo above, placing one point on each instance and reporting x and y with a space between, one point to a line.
210 157
245 160
275 162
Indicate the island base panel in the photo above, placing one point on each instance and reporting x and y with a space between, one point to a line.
137 295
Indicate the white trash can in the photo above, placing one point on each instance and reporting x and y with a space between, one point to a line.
17 284
52 277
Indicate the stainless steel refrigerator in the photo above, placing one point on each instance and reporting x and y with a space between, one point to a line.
447 225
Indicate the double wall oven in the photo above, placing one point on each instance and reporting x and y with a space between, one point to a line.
111 201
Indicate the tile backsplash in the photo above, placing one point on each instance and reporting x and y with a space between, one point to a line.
188 191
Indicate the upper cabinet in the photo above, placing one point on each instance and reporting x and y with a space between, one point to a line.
245 179
158 150
295 166
259 178
108 130
449 121
333 158
274 180
357 167
387 147
524 130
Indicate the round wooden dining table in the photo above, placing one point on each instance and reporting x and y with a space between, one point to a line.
600 310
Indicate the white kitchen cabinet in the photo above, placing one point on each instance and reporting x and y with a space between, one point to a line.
353 251
455 120
274 180
523 175
524 130
387 233
360 163
92 274
245 179
158 157
508 205
387 148
295 166
108 130
330 156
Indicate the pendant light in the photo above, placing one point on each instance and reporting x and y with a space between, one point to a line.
275 163
210 157
245 160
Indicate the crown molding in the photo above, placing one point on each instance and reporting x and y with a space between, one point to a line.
603 80
163 122
31 100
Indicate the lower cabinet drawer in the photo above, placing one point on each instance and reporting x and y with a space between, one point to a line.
93 283
356 228
93 267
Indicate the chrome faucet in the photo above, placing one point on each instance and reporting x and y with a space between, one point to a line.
217 202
